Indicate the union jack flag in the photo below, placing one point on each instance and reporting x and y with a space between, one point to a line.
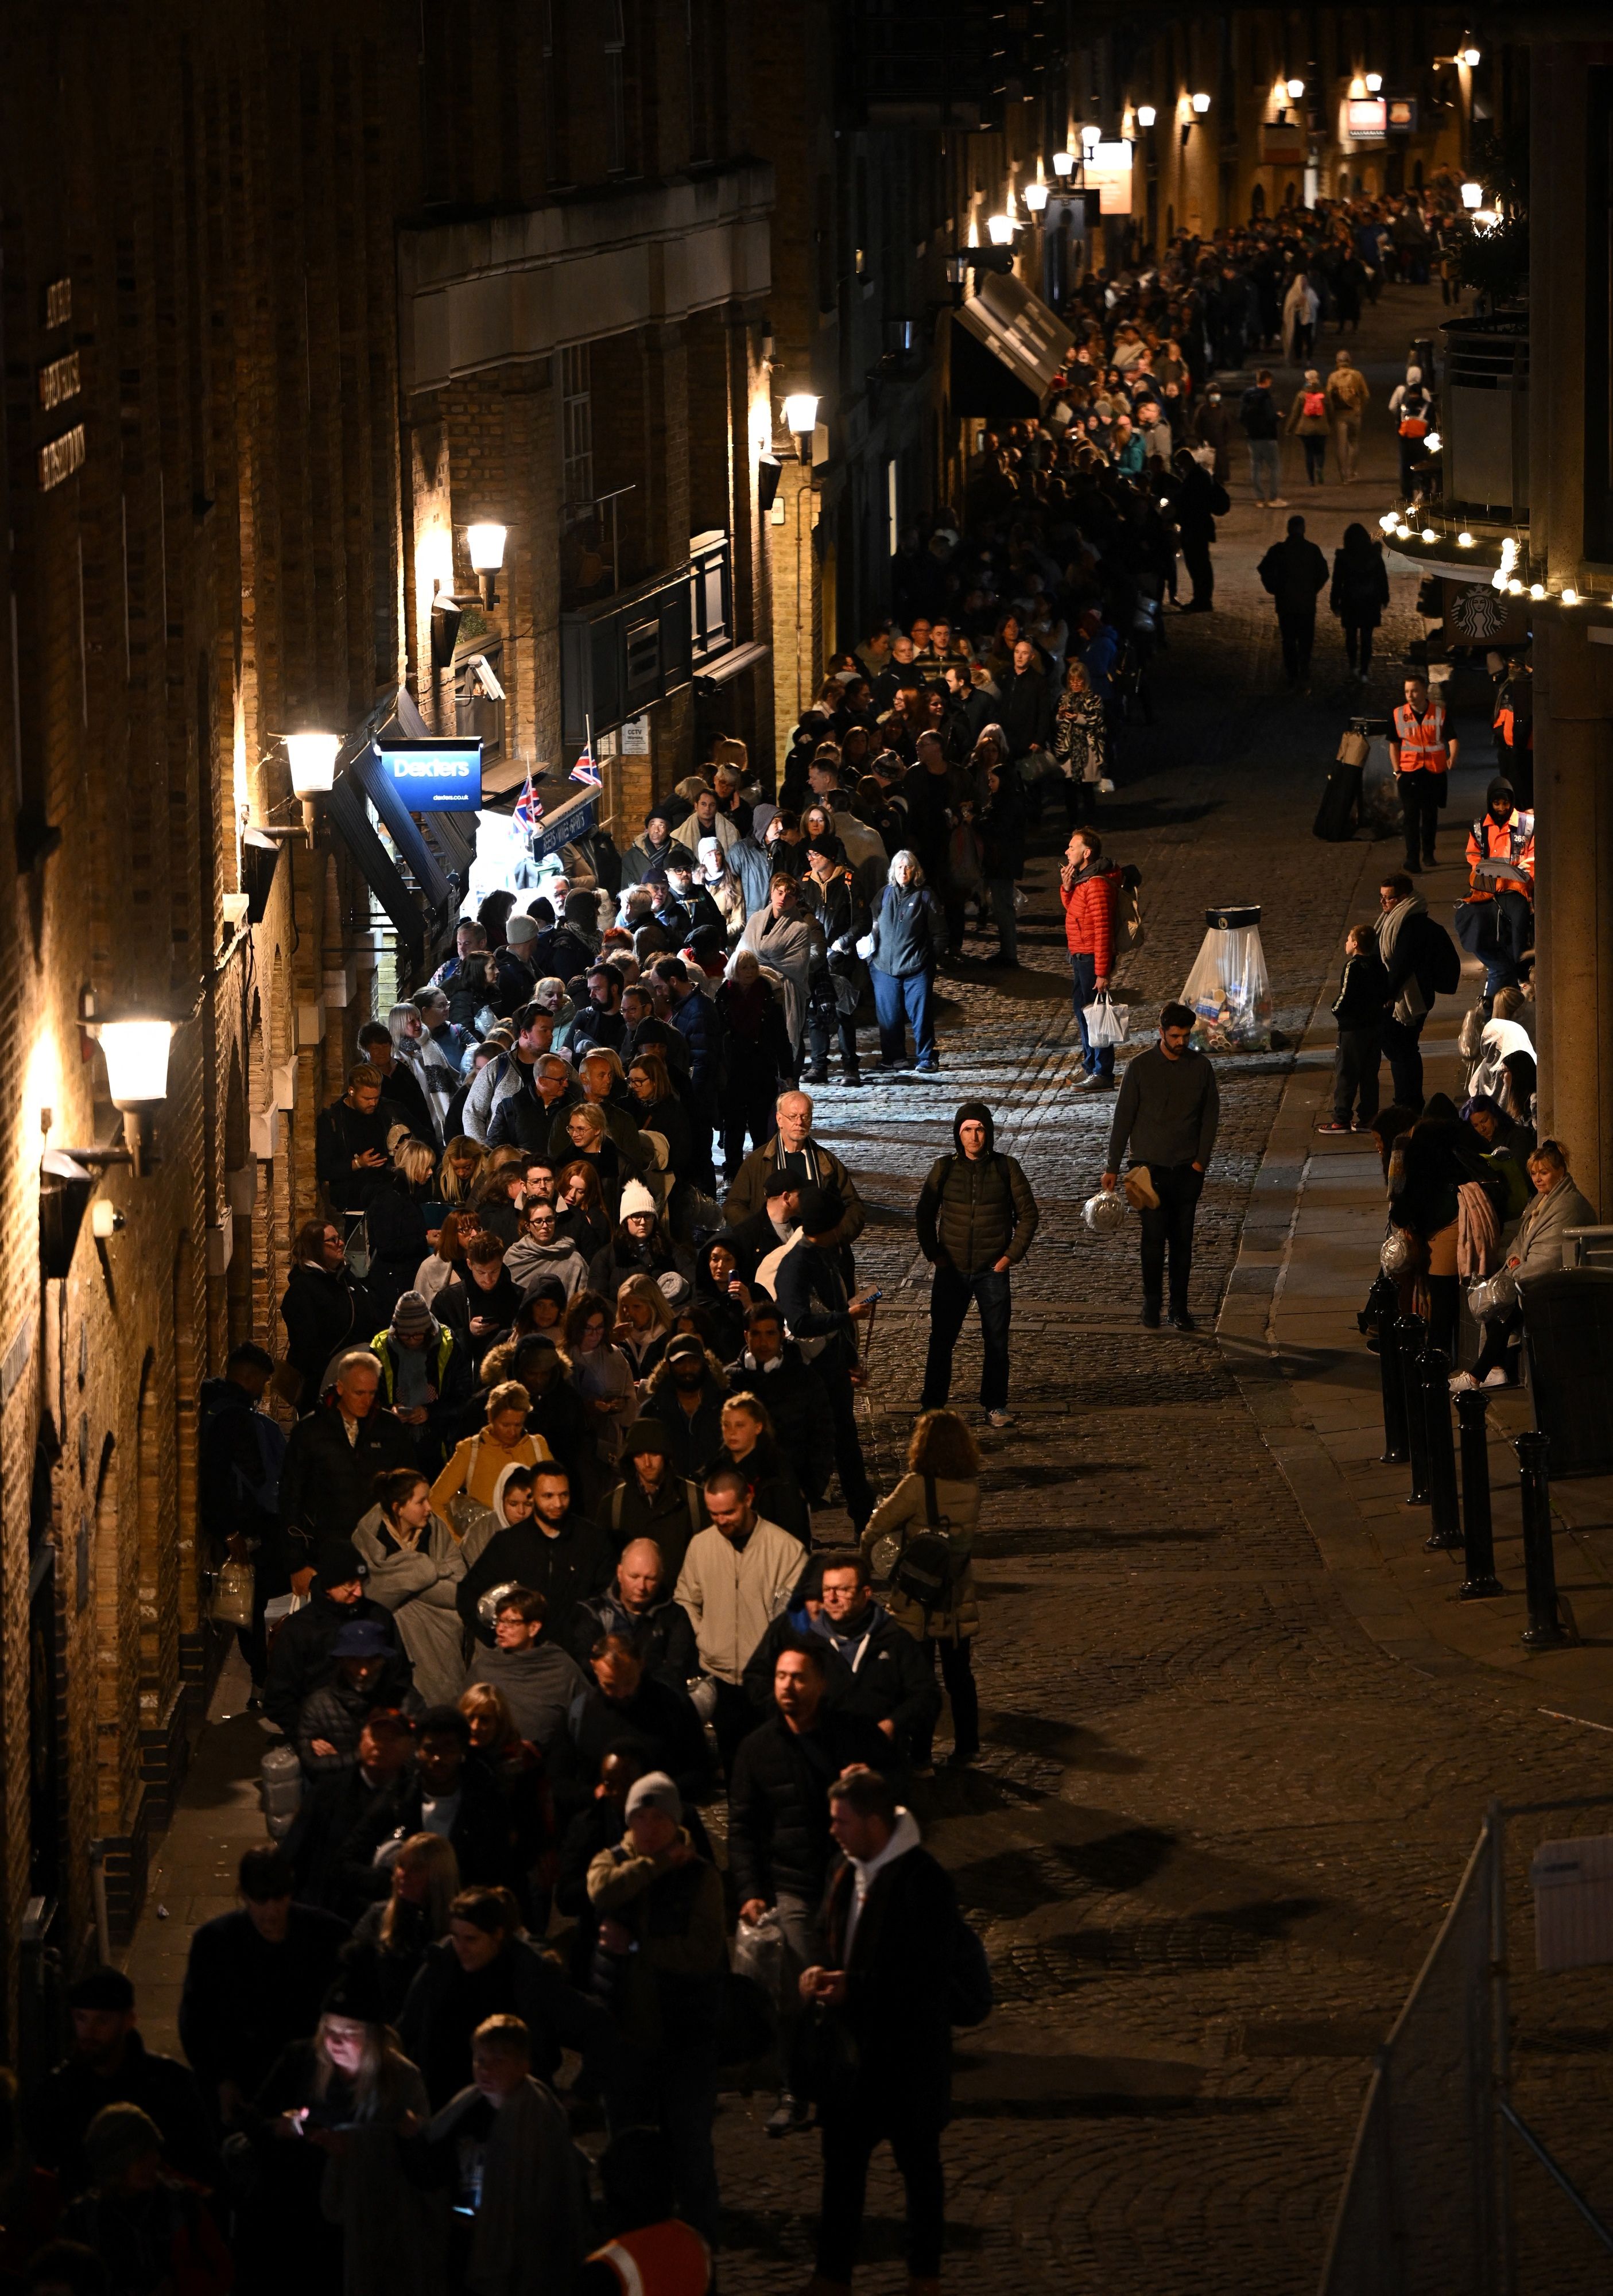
586 770
529 807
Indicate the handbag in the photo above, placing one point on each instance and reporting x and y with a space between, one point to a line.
1354 749
233 1588
1107 1023
927 1564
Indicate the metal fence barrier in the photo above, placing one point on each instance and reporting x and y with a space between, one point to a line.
1428 2207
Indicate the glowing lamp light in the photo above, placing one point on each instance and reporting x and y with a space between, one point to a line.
1403 532
1036 197
1296 89
801 413
1509 559
1433 443
1064 163
1387 522
136 1056
1538 589
1146 115
1000 229
1090 138
1469 56
486 545
1374 83
1357 86
1515 587
1465 540
1428 534
1570 597
1201 104
313 757
1472 195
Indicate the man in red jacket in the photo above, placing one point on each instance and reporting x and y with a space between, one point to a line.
1088 886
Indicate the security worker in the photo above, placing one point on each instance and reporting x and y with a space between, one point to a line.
1497 920
1513 719
1422 755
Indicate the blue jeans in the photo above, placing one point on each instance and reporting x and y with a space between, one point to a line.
901 998
950 1293
1097 1059
1266 468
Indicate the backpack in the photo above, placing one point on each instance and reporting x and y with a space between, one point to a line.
929 1565
1128 931
971 1995
1314 403
1446 964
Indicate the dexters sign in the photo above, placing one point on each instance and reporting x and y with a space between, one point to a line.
441 774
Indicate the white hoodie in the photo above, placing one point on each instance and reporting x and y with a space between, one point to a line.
904 1837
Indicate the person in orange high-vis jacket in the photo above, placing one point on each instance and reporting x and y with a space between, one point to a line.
1422 755
651 2253
1496 922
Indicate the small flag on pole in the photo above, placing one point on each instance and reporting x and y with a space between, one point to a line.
528 805
586 770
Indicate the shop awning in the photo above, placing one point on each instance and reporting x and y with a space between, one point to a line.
1007 349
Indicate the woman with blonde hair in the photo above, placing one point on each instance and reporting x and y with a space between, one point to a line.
476 1464
460 1169
919 1540
341 2204
392 1936
643 1321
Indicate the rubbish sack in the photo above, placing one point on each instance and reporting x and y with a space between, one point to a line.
280 1788
758 1953
1107 1023
1229 988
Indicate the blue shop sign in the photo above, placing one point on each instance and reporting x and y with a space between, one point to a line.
441 774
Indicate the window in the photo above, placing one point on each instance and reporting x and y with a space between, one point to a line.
577 434
615 92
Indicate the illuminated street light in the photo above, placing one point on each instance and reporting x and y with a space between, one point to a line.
1472 195
1064 162
1146 115
1036 197
1465 540
1374 83
313 757
1428 534
1000 228
1469 56
801 420
486 545
1296 89
1201 104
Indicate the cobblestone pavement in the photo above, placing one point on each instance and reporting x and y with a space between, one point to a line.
1215 1827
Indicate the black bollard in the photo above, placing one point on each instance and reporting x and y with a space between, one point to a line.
1446 1530
1478 1533
1543 1630
1381 1301
1411 1337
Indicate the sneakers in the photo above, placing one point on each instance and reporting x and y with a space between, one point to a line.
1001 1418
788 2114
927 1068
1279 502
1334 1127
1461 1382
1496 1378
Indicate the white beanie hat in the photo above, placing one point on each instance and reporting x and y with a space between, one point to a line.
636 1198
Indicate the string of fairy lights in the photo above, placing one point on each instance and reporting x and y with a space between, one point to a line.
1516 573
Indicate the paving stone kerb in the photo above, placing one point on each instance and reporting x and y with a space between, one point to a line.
1215 1824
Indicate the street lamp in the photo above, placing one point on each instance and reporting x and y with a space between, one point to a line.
137 1057
1296 89
1000 230
1036 197
1469 56
1472 196
1146 115
1064 162
485 544
801 420
313 759
1201 104
1374 83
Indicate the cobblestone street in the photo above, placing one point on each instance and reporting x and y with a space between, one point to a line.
1215 1827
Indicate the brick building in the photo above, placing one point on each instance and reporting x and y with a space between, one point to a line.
236 484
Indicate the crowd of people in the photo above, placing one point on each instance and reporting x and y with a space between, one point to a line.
590 1764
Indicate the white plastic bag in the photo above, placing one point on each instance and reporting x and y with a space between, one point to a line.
1493 1296
1231 991
1107 1023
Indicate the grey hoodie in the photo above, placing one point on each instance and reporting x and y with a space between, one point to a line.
540 1684
528 1264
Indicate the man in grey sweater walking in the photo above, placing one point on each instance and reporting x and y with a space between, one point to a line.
1166 1116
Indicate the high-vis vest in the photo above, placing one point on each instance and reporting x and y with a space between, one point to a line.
1422 740
1500 840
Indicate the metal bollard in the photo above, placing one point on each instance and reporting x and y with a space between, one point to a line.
1446 1530
1410 1336
1380 1303
1478 1530
1543 1630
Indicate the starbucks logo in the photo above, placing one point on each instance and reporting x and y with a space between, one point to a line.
1476 612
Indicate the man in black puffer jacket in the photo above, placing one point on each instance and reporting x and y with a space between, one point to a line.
303 1659
975 1218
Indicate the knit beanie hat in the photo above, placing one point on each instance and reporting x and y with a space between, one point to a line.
412 1314
636 1198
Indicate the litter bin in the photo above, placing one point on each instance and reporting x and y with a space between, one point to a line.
1229 988
1567 1338
1573 1886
